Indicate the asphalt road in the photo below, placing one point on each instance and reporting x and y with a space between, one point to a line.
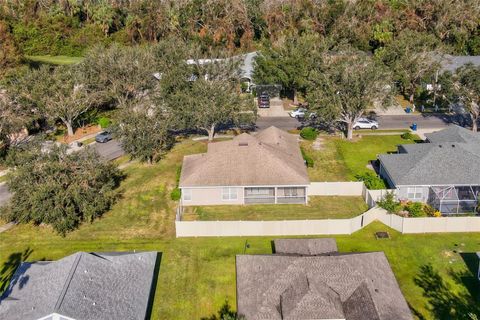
4 194
284 123
386 122
109 150
405 121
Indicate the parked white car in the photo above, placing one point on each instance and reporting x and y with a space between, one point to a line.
300 113
364 123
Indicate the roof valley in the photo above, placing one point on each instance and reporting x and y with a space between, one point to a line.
70 275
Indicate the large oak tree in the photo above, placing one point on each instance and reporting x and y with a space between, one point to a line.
346 85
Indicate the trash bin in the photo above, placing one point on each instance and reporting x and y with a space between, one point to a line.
408 109
414 126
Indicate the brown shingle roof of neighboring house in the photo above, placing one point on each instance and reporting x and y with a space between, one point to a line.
272 157
306 247
353 286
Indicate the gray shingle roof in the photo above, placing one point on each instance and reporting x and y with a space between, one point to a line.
82 286
344 286
452 63
450 158
453 133
307 247
271 157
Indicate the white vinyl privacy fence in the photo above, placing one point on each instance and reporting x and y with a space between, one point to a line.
326 227
336 189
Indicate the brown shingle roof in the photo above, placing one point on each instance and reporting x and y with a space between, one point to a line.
306 247
349 286
272 157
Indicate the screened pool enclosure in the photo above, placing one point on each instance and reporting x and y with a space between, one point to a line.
454 199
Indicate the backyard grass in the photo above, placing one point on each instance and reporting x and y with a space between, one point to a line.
342 160
317 208
197 275
54 60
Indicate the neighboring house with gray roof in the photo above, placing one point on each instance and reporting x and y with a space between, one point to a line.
452 63
441 172
351 286
117 285
264 168
246 67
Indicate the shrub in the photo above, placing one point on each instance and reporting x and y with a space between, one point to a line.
371 180
408 136
308 133
429 210
104 122
389 203
415 209
308 159
176 194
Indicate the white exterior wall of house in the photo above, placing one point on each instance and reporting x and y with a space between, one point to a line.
413 193
207 196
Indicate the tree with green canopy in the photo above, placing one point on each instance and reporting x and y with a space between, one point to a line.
210 96
58 188
411 57
58 94
345 86
144 130
288 63
463 86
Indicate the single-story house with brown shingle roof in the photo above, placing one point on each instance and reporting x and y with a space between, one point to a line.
349 286
264 168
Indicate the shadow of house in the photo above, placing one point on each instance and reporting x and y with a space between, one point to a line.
469 278
8 274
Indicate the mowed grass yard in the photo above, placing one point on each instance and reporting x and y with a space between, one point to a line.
341 160
317 208
197 275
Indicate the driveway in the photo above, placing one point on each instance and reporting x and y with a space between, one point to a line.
110 150
284 123
4 194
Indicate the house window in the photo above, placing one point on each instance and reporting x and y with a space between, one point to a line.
187 194
229 194
415 193
290 192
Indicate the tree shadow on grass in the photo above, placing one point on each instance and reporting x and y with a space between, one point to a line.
444 302
225 313
8 274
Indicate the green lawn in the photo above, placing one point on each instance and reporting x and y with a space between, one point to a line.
341 160
317 208
198 274
54 60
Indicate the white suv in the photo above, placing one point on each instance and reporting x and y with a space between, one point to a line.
364 123
300 113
